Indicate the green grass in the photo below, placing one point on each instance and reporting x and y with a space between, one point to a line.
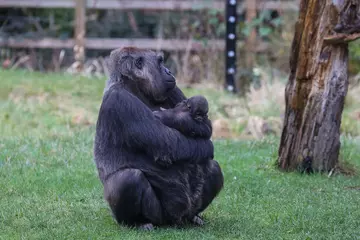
50 190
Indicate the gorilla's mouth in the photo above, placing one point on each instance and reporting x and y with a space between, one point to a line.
170 85
161 92
163 95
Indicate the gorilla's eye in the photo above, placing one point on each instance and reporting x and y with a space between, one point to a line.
139 63
160 59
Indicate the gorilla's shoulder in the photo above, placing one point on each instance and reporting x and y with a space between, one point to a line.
119 100
116 93
115 88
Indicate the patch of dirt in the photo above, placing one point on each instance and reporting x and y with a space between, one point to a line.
80 119
345 168
79 115
356 115
221 128
20 94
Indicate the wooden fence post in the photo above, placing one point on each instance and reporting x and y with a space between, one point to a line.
251 39
80 29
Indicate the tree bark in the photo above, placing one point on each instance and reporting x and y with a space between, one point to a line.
317 85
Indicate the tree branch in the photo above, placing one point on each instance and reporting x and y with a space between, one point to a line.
348 27
341 38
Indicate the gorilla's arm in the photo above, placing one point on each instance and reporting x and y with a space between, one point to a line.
184 123
175 96
133 125
194 129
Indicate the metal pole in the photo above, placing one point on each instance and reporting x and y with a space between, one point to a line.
230 57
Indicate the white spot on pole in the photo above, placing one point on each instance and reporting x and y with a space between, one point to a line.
231 71
231 53
230 88
231 36
232 2
231 19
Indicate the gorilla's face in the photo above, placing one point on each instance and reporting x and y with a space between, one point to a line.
197 106
155 80
144 70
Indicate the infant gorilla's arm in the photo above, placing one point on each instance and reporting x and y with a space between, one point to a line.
189 117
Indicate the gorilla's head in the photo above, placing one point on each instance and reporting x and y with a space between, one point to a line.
141 71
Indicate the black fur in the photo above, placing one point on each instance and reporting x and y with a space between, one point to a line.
152 174
189 117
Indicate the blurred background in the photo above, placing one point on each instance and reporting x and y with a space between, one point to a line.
70 40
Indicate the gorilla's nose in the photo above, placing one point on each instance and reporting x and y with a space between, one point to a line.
167 71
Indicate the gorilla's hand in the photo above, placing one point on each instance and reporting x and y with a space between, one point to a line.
208 147
157 114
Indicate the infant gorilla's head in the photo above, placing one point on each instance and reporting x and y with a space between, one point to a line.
197 106
189 117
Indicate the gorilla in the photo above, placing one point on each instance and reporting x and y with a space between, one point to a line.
152 174
189 117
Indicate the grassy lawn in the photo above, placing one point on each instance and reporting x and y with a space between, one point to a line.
50 190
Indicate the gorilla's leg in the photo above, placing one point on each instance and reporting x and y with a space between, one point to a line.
206 181
214 181
132 199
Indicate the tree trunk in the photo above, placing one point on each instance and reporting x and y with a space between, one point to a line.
318 84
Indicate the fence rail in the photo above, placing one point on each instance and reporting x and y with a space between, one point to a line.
149 4
111 43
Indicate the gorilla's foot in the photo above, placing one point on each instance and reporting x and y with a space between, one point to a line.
147 227
197 220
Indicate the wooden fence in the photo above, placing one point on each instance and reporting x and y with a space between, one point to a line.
148 4
79 43
82 42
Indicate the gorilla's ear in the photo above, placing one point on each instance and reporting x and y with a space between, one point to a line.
125 66
139 62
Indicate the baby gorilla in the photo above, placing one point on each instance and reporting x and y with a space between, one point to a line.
188 117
